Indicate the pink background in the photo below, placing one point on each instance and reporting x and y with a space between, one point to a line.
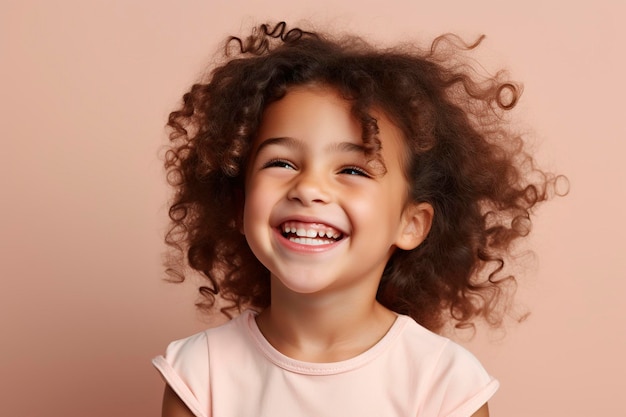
86 87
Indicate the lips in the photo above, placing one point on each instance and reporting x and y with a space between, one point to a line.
314 234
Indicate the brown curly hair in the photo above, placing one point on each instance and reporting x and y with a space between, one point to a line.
463 158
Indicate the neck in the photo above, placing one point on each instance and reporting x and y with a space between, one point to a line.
318 328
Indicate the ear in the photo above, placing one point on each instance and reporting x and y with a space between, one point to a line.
416 221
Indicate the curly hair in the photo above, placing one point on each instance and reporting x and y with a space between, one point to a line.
463 158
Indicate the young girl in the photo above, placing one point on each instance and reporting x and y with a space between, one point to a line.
348 202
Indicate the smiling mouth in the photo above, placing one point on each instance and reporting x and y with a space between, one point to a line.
313 234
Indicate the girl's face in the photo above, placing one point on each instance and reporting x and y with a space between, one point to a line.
318 213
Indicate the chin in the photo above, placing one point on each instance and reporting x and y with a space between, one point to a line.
304 284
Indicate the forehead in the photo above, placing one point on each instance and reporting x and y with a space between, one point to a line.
309 110
313 113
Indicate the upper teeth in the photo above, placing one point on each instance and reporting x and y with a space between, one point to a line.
310 233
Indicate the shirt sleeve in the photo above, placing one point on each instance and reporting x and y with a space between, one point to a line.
185 368
460 384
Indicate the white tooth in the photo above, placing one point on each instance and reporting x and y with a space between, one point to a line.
311 242
311 233
301 232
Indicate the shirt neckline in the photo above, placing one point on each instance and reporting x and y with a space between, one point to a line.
317 368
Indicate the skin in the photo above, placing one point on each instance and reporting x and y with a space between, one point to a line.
308 168
173 406
308 171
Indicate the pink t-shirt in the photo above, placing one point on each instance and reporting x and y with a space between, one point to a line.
233 371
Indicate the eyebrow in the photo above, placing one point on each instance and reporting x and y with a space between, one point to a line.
293 143
286 141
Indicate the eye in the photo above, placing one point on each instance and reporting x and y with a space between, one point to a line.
355 171
278 163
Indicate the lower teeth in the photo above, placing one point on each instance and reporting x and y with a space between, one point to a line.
309 241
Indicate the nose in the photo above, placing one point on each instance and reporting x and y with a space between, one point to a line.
309 188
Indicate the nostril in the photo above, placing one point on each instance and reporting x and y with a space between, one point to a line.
308 191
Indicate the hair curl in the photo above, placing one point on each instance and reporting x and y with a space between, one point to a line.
462 157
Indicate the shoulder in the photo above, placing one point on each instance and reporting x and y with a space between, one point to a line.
192 353
445 355
188 351
186 362
184 368
454 381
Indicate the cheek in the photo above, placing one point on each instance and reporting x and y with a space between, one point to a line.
381 208
248 212
256 203
368 209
